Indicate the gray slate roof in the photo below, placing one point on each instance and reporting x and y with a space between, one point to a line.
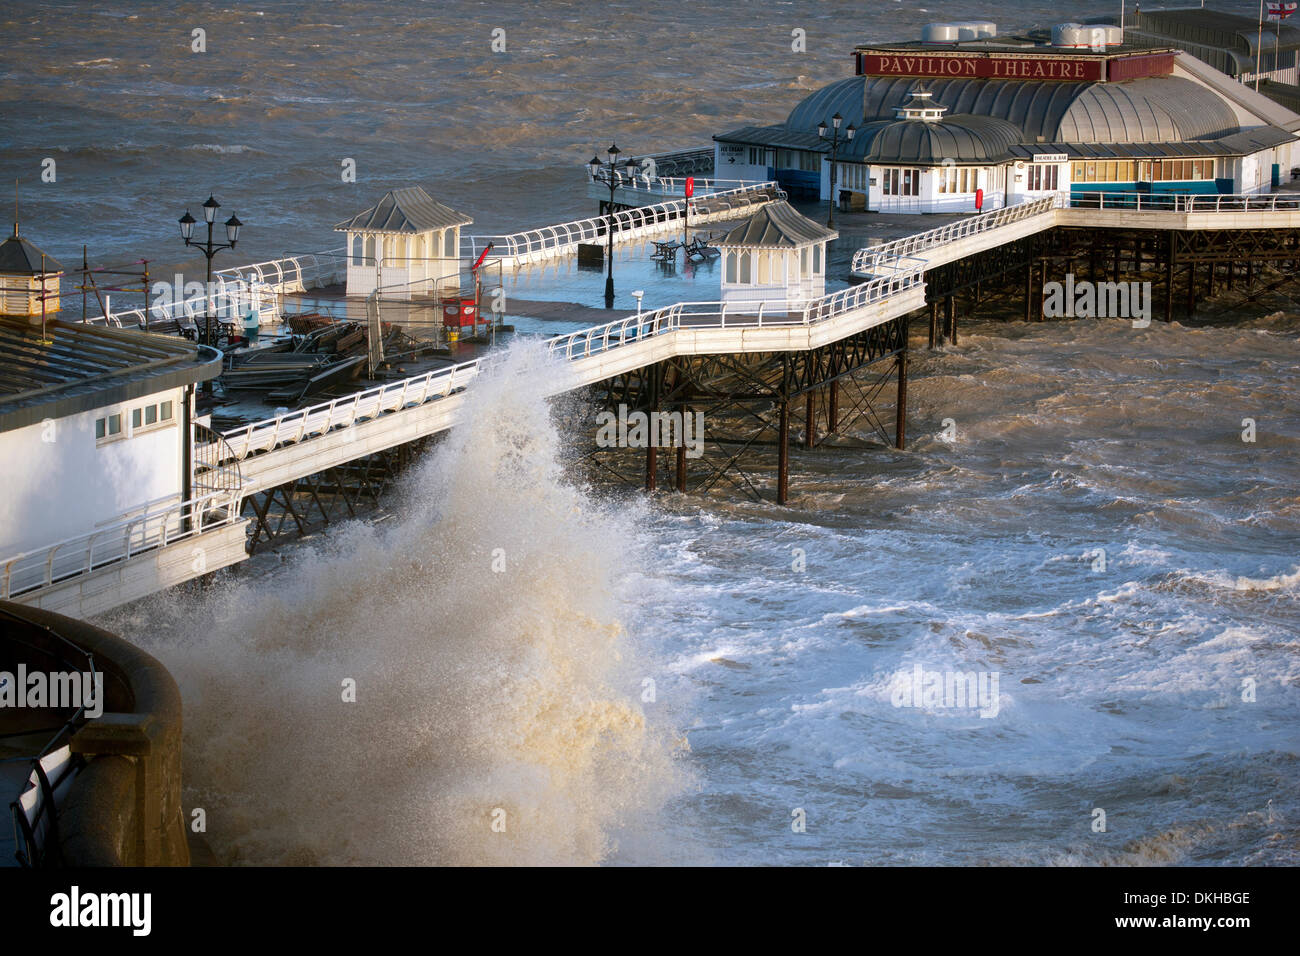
778 225
405 211
777 137
18 257
77 367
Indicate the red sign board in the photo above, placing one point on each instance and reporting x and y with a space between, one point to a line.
690 186
1055 67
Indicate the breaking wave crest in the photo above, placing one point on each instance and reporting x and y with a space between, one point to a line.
496 717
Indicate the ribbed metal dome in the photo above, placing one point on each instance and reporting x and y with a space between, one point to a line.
958 139
1145 110
844 97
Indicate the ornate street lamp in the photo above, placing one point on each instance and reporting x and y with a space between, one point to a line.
607 173
209 249
836 120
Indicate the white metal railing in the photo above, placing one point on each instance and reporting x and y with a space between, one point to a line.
226 302
866 261
293 273
668 185
1186 202
234 291
119 541
294 427
628 224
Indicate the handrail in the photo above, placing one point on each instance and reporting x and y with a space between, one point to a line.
43 566
1185 202
556 238
318 420
867 259
292 273
234 290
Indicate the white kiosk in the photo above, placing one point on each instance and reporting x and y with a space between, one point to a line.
778 257
407 242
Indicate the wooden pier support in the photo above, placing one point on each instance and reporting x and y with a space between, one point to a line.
681 459
1029 290
810 422
900 425
950 314
783 454
1169 277
833 402
934 320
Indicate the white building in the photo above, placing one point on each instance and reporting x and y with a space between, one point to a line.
94 427
407 243
778 257
956 122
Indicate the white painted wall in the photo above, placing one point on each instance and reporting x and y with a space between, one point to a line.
59 482
725 168
790 284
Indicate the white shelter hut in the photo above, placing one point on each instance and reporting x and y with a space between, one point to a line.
777 257
407 242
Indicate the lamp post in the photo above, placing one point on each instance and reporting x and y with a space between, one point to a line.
209 249
607 173
836 120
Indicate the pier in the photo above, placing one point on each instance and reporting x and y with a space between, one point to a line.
763 376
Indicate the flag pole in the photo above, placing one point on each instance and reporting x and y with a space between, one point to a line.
1259 41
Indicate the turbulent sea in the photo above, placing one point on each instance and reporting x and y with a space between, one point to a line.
686 679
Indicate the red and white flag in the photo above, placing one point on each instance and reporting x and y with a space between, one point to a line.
1280 9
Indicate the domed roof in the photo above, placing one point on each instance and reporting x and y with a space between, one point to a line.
844 97
957 139
1145 110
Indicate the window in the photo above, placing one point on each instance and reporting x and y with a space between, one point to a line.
1041 178
853 176
744 268
957 179
901 182
449 250
798 159
1109 171
731 267
108 427
757 156
143 418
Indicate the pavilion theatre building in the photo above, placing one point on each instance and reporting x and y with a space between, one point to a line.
964 120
